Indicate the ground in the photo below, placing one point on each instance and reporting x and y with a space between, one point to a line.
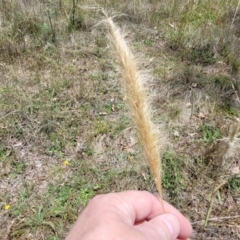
66 132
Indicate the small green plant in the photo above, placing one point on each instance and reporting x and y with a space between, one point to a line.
235 183
37 218
86 194
22 204
228 109
56 145
234 62
26 26
62 193
89 151
174 112
123 123
77 17
209 133
173 179
202 55
226 49
19 167
223 82
102 127
3 151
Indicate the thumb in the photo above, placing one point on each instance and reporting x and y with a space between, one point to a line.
162 227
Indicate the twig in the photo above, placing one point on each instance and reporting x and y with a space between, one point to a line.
236 92
7 114
217 219
235 14
52 27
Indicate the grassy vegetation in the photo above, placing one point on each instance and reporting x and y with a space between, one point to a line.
65 130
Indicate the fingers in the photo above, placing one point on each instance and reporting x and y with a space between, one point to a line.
137 210
165 227
137 206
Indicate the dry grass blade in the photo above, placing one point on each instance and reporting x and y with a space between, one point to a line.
218 219
235 14
139 104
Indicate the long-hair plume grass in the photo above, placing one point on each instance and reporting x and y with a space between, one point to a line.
133 83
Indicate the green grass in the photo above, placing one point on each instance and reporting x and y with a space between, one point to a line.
209 133
66 133
173 181
235 183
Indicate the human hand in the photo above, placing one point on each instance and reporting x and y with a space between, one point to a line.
134 215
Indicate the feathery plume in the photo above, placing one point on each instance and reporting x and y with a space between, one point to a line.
138 101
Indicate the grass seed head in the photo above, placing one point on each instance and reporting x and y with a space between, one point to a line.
133 83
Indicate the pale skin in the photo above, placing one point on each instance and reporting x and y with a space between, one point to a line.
133 215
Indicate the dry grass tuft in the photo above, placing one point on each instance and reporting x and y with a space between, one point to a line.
225 148
133 80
